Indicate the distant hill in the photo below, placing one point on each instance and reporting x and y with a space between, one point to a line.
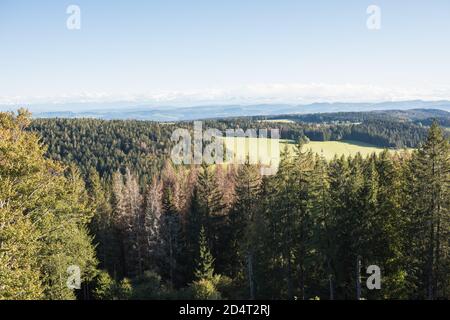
224 111
419 116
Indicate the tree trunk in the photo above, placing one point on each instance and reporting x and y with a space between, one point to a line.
358 278
250 275
331 288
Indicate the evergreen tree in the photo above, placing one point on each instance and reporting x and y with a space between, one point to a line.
307 232
301 180
205 262
324 227
152 211
171 240
430 168
211 211
242 225
102 224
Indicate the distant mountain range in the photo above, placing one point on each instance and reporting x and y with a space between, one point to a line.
169 114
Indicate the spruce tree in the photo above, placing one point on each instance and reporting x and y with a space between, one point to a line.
211 211
430 167
242 224
205 261
171 239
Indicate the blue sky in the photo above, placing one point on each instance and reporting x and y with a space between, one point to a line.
249 51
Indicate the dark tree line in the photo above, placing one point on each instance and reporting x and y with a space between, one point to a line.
106 146
409 115
210 232
143 146
378 132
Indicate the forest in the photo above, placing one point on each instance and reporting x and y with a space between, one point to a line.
104 196
143 146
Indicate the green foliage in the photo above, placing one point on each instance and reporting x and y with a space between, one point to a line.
205 263
204 289
19 273
143 146
104 287
44 211
225 286
124 289
148 286
107 146
212 233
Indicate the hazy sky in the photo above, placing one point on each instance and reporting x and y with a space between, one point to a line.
188 51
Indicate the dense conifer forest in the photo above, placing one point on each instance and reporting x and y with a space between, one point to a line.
142 146
104 196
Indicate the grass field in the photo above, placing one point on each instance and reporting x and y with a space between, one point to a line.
331 148
266 150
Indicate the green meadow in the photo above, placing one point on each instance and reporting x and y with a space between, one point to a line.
265 149
347 148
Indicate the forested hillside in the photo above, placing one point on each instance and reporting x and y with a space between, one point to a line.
381 133
142 146
215 232
106 146
411 115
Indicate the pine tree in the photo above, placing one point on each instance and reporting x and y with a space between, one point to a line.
430 168
195 220
152 211
129 220
388 229
301 183
205 262
324 226
283 219
211 211
171 239
102 224
68 242
133 224
119 210
339 225
242 225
